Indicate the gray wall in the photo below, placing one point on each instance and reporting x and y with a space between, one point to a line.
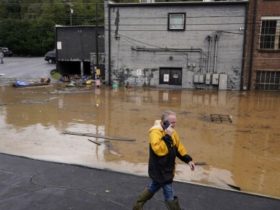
146 27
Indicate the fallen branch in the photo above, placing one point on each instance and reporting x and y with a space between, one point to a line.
97 136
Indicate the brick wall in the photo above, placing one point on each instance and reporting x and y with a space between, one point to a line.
262 60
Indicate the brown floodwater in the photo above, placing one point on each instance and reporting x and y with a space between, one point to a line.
242 150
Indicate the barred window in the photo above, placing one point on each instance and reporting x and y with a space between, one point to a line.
270 34
268 80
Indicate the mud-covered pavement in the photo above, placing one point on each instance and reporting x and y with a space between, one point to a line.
241 151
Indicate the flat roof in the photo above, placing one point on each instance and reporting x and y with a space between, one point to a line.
78 26
179 3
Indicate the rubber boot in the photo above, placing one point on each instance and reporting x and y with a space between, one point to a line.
174 204
142 199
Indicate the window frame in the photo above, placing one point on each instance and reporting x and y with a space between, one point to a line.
267 80
169 22
276 35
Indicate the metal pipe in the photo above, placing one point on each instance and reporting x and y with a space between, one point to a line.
216 37
252 43
109 43
244 48
96 37
214 53
199 50
208 53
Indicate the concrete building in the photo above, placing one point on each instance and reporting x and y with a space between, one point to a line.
180 44
262 55
76 48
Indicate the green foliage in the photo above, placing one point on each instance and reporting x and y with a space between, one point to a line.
27 27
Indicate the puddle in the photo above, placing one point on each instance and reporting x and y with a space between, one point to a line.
243 153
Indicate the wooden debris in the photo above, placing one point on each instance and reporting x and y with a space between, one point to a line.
200 163
95 142
98 136
220 118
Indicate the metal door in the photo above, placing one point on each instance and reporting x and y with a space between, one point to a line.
170 76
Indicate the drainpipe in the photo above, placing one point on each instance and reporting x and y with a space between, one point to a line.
252 43
96 39
216 38
214 53
244 47
109 44
208 53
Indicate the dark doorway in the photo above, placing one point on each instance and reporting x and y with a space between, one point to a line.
170 76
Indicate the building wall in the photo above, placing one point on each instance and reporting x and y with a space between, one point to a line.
76 49
77 42
141 43
261 60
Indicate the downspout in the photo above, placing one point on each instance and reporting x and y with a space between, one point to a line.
56 51
252 44
216 37
109 44
211 55
96 39
214 53
244 47
208 53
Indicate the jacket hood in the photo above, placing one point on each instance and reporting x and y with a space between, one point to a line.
156 126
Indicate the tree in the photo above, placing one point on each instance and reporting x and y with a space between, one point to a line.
27 26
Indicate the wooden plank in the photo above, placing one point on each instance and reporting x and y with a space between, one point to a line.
98 136
95 142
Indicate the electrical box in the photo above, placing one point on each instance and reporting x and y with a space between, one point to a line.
223 81
208 79
201 78
196 78
215 79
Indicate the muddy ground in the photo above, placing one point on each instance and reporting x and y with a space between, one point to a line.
238 148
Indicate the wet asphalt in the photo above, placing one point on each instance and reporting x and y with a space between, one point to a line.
22 68
27 184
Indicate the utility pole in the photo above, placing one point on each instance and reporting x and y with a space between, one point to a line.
96 37
71 13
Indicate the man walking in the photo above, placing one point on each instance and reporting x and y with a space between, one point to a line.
165 146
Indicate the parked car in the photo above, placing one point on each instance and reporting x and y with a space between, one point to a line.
50 56
6 51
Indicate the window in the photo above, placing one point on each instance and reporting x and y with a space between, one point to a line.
268 80
176 21
270 33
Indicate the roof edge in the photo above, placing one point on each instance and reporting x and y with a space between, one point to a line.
191 3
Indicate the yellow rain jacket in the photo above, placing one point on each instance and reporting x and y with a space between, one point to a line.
163 151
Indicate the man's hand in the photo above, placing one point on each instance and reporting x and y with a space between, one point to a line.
169 130
192 165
